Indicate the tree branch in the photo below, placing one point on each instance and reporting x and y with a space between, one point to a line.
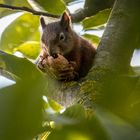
111 69
109 74
120 38
91 7
29 10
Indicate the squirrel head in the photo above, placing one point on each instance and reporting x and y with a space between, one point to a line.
58 36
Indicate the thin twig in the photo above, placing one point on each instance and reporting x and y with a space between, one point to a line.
29 10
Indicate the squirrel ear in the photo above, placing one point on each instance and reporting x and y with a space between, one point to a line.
42 22
65 20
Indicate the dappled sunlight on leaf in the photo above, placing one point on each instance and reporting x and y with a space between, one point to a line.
93 38
30 49
96 20
22 29
49 5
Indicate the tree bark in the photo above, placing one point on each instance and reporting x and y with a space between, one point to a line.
108 75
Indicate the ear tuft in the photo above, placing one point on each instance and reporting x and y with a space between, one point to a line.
65 20
42 22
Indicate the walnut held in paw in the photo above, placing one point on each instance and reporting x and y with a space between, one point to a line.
58 63
60 68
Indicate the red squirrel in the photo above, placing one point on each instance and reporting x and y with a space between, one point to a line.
67 54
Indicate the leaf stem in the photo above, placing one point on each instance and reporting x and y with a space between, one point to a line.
34 12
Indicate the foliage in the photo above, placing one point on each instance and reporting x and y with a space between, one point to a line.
19 31
29 49
99 19
26 108
48 6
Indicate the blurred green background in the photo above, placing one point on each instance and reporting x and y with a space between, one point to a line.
27 112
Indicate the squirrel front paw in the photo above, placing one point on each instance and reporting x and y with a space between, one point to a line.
66 74
42 62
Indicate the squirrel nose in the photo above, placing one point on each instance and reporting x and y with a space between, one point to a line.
54 55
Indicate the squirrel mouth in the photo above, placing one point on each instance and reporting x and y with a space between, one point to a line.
46 51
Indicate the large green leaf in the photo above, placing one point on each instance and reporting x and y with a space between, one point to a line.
117 128
93 38
74 111
4 12
54 105
24 28
96 20
52 6
21 104
21 110
29 49
20 67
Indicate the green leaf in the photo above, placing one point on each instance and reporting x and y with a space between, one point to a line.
21 110
54 105
72 115
21 104
93 38
96 20
55 7
116 127
76 112
29 49
5 12
20 67
24 28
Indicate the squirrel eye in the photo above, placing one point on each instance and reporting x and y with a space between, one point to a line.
61 36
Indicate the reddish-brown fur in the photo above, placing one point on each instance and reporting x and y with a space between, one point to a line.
78 51
83 54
